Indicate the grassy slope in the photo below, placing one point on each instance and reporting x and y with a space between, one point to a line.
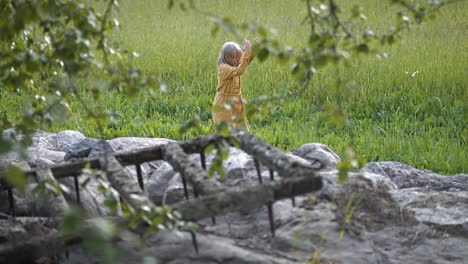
420 120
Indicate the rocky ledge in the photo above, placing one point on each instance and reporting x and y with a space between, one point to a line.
388 212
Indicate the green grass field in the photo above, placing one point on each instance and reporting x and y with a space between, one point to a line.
420 120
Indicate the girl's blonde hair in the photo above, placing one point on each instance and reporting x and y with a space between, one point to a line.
228 53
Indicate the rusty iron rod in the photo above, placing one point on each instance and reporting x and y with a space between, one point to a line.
77 189
140 177
203 164
270 218
194 241
184 183
257 167
11 201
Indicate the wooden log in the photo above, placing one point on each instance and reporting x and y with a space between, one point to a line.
199 144
192 171
121 180
246 198
49 204
286 165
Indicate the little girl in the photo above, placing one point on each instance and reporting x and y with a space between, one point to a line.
227 106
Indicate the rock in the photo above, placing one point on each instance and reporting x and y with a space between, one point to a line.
316 232
175 191
41 162
88 148
364 206
237 165
43 146
43 140
405 176
156 174
447 211
169 247
35 152
159 180
91 199
9 133
318 153
66 139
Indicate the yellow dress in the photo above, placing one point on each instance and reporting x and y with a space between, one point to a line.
227 104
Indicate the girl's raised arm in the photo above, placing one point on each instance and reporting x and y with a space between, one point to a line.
227 71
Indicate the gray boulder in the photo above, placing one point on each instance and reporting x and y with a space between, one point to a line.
43 146
405 176
88 148
318 154
158 181
66 139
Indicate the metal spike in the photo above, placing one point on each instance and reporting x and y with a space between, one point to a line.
185 186
203 159
11 201
269 205
272 175
270 218
203 164
194 241
77 189
293 201
257 167
140 177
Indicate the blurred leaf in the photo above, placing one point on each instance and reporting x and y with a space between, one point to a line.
214 30
16 177
343 168
5 145
362 48
71 222
263 54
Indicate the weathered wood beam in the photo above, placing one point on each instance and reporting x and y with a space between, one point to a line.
49 204
246 198
273 158
121 180
191 170
199 144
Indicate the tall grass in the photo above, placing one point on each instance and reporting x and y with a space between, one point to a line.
410 107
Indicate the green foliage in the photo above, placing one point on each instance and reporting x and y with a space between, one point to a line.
98 234
392 115
351 206
222 153
46 46
60 68
348 163
16 177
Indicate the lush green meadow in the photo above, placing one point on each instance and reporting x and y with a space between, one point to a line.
409 107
